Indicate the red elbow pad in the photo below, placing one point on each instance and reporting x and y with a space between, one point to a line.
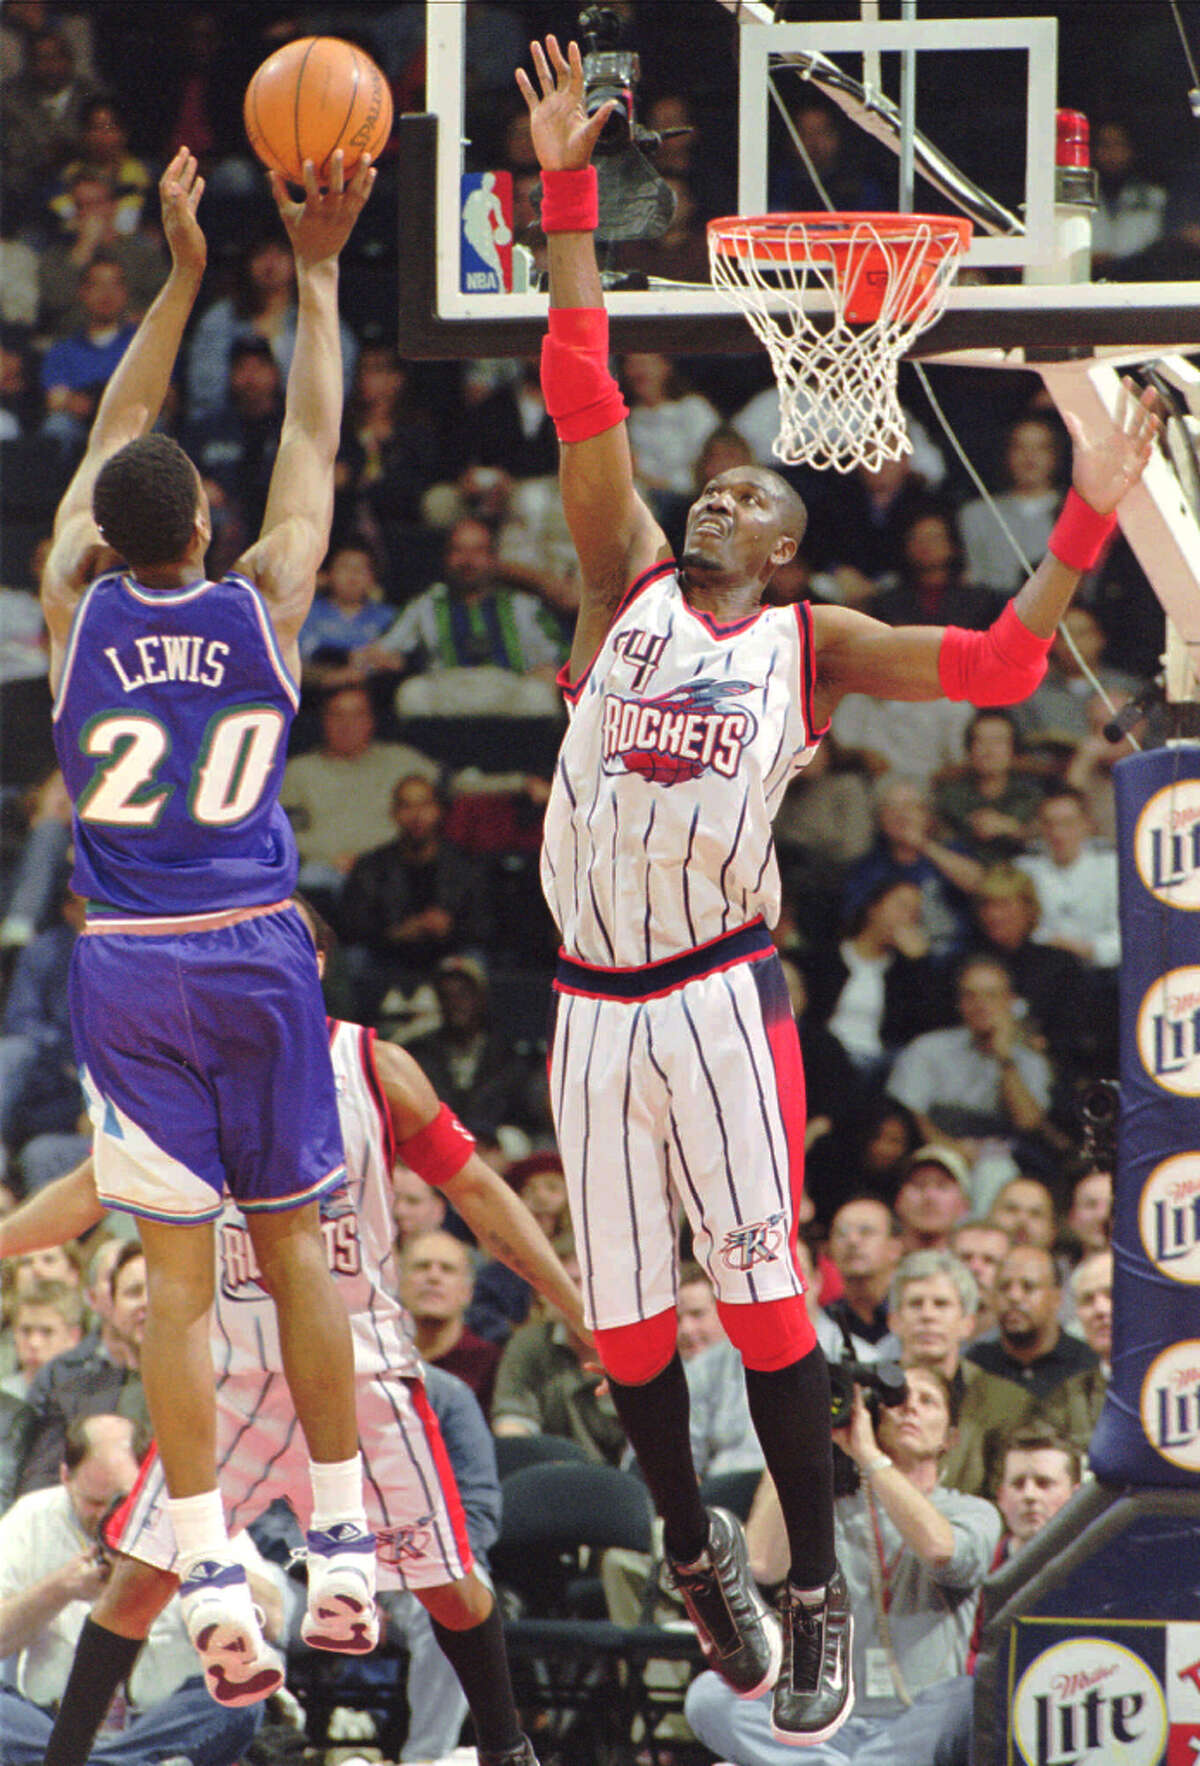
1000 666
581 395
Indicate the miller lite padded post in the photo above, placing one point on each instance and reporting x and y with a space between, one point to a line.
1149 1431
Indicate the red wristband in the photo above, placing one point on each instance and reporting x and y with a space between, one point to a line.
997 667
438 1151
570 201
1080 534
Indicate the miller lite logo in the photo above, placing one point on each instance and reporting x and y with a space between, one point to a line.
1166 844
680 734
1168 1032
1170 1405
1169 1218
759 1242
1089 1702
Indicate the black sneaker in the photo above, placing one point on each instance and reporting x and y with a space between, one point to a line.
738 1632
523 1755
814 1694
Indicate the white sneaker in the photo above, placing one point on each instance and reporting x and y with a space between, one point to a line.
341 1612
240 1667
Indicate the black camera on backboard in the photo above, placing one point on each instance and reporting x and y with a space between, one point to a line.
1101 1110
609 71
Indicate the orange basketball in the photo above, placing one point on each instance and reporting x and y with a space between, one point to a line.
312 97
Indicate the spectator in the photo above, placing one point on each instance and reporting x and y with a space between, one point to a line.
1074 1407
1058 711
698 1323
417 898
866 1154
339 797
864 1243
934 1195
932 588
75 369
906 848
262 305
99 1375
52 1566
46 1319
1050 982
435 1285
857 526
981 1081
18 277
390 451
1130 213
1089 1217
1032 1350
668 426
233 446
471 1063
544 1385
41 1103
1089 768
982 1246
934 1300
502 1298
1024 1208
822 172
1033 469
41 109
989 808
416 1206
932 1547
104 149
92 224
345 618
916 741
473 644
1076 884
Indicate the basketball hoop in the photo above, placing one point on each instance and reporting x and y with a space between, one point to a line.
885 279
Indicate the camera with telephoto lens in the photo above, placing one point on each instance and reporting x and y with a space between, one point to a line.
882 1381
608 72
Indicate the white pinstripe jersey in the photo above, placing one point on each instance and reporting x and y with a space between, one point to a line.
683 736
357 1226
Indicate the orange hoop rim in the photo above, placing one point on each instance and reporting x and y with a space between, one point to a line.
789 238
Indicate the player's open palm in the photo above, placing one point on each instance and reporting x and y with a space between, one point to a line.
319 226
180 190
1105 468
563 133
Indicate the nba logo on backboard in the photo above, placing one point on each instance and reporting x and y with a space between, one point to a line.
486 219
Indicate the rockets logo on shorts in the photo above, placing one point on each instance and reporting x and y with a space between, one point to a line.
240 1277
396 1545
680 734
761 1241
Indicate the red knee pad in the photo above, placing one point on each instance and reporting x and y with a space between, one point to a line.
632 1354
769 1334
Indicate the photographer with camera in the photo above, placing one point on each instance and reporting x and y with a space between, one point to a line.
914 1555
52 1567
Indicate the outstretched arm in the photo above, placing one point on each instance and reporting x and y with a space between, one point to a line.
131 402
59 1211
856 654
295 532
615 535
496 1215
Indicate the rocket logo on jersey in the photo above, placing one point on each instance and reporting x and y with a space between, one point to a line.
396 1546
759 1242
240 1275
679 734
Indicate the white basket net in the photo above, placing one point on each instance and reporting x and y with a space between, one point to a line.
838 402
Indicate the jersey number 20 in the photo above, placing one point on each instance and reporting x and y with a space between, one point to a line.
236 759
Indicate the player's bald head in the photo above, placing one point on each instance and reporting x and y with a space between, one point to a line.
792 513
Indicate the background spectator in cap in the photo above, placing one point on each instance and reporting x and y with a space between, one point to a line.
470 1063
502 1298
1032 1350
1074 1407
982 1245
981 1080
933 1305
934 1195
435 1285
412 901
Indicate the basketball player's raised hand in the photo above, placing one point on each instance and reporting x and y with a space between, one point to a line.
563 133
1105 468
319 226
180 190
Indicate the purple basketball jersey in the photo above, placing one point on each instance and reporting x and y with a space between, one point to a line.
171 727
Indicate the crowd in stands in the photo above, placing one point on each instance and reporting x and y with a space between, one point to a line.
949 927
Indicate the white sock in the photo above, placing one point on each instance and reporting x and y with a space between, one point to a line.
812 1598
199 1526
337 1492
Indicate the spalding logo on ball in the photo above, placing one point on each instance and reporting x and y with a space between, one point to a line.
312 97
